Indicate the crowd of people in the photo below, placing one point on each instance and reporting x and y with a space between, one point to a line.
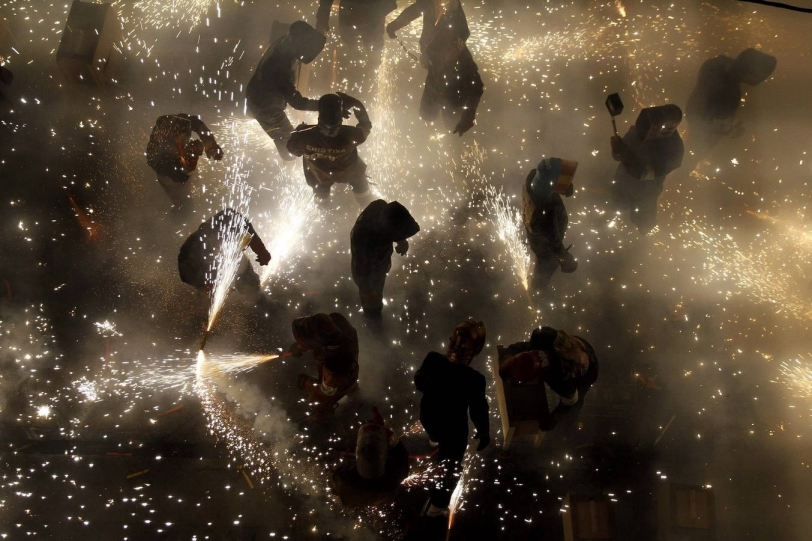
452 390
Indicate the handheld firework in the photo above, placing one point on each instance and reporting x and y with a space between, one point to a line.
615 106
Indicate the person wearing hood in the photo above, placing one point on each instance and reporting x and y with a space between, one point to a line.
273 85
567 364
453 86
545 217
173 154
329 150
437 15
714 102
650 150
379 226
453 391
380 466
197 257
334 344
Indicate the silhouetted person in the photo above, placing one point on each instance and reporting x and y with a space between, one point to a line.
453 86
273 85
714 102
437 15
379 226
452 391
334 344
173 154
567 364
329 149
359 21
545 219
649 151
197 260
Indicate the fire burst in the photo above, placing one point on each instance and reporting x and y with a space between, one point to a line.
797 376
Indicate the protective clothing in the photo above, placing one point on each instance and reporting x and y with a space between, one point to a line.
567 364
197 257
330 151
334 344
545 220
273 85
453 86
451 392
648 153
378 226
437 15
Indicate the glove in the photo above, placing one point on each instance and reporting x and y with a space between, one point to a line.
263 257
567 262
295 350
463 126
214 152
349 103
402 247
484 441
390 31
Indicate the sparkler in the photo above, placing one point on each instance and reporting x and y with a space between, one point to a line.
797 376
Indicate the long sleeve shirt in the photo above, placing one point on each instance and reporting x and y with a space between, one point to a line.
453 16
545 218
372 237
273 85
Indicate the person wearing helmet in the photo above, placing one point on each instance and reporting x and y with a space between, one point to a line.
273 85
437 15
329 149
197 260
377 228
567 364
650 150
716 98
334 344
545 217
453 86
452 391
173 154
381 464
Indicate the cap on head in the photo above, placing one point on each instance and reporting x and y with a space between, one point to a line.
658 122
467 340
331 109
306 41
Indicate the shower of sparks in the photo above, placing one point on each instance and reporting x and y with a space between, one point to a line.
797 376
286 229
173 13
234 238
107 329
44 411
505 216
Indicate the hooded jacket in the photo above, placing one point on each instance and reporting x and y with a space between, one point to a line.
379 226
166 142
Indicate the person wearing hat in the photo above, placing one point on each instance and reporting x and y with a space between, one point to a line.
334 344
197 260
273 85
650 150
717 96
173 154
567 364
453 391
545 217
329 150
378 227
381 464
453 85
